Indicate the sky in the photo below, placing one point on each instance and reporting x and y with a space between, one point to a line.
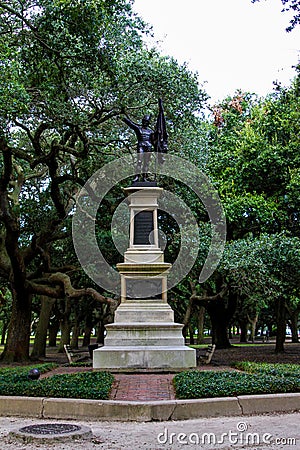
232 44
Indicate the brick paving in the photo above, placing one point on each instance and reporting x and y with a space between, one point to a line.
132 387
143 387
155 386
150 386
136 386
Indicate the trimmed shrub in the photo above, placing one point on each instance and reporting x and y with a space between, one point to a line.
15 374
208 384
81 364
279 370
88 385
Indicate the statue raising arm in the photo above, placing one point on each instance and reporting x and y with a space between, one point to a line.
144 136
143 133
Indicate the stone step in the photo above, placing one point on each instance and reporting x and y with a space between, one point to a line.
144 334
164 358
144 312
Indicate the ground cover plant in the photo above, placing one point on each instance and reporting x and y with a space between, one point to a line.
279 370
8 374
207 384
88 385
81 364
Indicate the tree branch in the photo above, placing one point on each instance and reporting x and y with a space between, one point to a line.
200 300
64 288
8 165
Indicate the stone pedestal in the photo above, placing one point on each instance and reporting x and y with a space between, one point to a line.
144 335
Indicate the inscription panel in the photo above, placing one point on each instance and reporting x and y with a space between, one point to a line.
144 288
143 226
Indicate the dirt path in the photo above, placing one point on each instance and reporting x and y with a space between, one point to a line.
255 432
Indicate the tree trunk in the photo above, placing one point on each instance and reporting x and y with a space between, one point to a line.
219 325
87 334
294 329
3 334
253 323
191 334
53 330
65 325
65 334
39 346
75 334
281 325
221 314
200 324
100 332
244 330
17 345
294 325
220 334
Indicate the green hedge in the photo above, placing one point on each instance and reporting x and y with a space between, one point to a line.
208 384
279 370
19 373
89 385
81 364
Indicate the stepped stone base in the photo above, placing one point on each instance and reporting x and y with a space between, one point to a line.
164 358
144 334
150 310
154 343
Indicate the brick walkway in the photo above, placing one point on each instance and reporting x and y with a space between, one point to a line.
143 387
136 386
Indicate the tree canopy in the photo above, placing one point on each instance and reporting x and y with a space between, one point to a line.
294 7
68 70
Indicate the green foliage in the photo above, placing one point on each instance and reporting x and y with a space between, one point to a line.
208 384
277 369
10 374
95 385
254 160
292 6
81 364
69 71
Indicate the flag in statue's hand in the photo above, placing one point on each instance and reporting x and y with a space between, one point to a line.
160 134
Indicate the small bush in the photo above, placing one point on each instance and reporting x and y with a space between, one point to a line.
81 364
89 385
15 374
279 370
208 384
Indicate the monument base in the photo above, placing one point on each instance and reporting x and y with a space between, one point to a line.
144 336
156 358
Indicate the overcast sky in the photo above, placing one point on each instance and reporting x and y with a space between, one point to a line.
232 44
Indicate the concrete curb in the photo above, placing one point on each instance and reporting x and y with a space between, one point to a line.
125 411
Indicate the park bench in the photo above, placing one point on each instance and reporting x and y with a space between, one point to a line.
206 358
76 355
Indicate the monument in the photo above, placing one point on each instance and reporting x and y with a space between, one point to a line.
144 334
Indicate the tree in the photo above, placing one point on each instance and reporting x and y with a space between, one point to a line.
294 7
5 305
254 161
69 69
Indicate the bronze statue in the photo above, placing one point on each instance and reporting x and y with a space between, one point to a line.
147 139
